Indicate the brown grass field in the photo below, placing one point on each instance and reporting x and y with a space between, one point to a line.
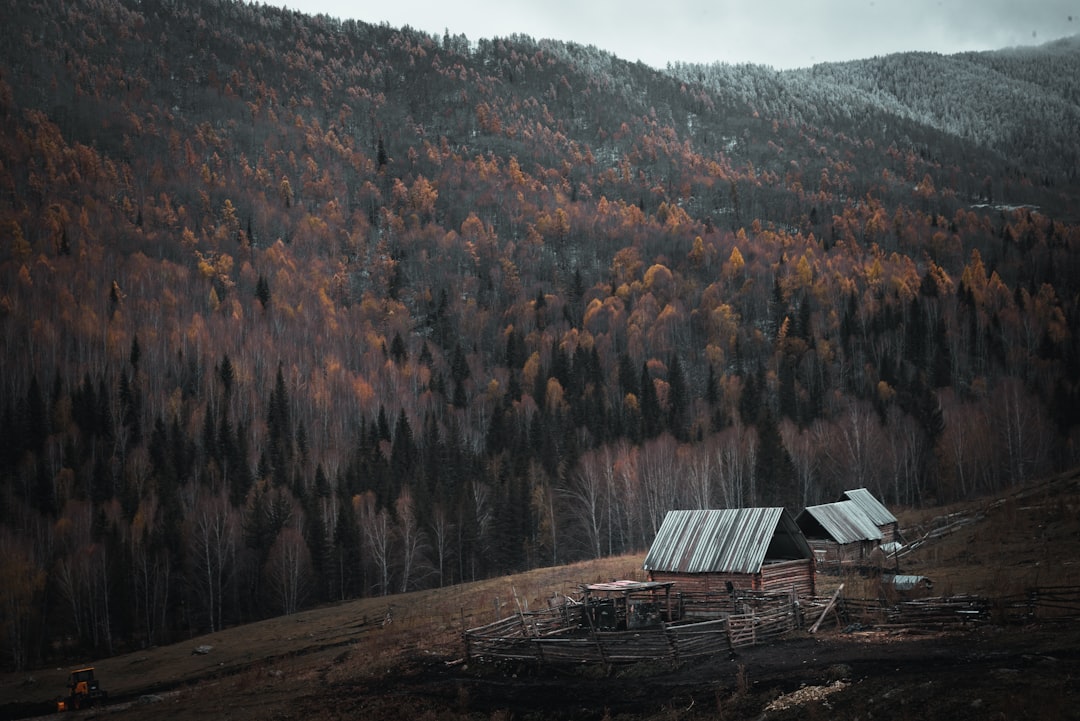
342 661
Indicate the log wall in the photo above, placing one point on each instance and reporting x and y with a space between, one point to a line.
785 575
703 584
777 576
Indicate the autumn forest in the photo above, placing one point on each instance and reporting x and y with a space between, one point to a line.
295 310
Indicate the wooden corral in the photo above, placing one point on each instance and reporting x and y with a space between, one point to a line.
621 622
590 631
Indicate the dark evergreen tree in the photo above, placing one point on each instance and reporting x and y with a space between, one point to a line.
712 387
750 399
402 451
516 352
496 439
382 426
35 418
262 291
346 553
651 413
773 467
210 439
227 375
136 354
539 307
279 431
788 393
678 400
397 349
628 377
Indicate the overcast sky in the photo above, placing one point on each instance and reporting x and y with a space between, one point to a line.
781 33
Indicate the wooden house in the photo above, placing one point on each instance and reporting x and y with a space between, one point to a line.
876 511
714 552
840 534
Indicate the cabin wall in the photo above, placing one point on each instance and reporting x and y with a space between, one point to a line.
778 576
831 553
888 533
702 584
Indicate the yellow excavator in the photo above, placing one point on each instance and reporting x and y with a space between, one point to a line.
83 690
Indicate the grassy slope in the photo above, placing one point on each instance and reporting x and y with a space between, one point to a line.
262 663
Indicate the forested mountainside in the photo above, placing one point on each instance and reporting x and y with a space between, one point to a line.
296 309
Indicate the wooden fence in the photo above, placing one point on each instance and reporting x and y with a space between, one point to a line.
1045 603
750 629
563 635
505 640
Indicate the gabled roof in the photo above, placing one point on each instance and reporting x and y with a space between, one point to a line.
844 522
729 540
871 506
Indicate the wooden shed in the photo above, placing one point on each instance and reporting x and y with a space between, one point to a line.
717 551
840 534
876 511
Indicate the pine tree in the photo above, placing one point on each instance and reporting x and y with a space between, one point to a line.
227 375
346 554
402 451
651 414
262 291
397 349
773 467
628 378
679 402
279 431
136 354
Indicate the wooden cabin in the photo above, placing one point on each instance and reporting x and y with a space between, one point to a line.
713 552
878 514
840 534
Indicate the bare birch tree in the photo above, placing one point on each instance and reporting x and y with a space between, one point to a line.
288 570
585 493
413 540
375 526
213 530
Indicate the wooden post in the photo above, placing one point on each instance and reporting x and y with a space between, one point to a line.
595 637
836 594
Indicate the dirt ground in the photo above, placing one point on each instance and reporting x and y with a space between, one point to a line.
992 673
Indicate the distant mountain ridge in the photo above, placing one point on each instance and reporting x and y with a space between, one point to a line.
1023 103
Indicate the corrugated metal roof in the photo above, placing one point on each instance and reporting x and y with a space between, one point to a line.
843 521
871 506
728 540
909 583
627 586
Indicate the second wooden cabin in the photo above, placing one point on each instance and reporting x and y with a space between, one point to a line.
840 534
